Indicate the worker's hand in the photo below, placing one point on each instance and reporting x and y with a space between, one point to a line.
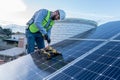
47 38
49 41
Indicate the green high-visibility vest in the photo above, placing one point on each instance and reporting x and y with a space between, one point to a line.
33 28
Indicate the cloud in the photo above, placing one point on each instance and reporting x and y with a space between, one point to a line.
9 9
11 6
100 18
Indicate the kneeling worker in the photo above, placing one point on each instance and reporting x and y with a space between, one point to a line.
39 27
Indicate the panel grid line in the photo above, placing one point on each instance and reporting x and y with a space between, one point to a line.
94 72
108 67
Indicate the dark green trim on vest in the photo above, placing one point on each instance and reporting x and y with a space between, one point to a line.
33 28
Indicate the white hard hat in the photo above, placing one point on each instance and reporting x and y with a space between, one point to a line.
62 14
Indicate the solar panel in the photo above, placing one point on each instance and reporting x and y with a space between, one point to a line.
104 31
69 53
99 65
102 63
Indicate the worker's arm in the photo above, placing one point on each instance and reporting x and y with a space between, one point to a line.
40 15
47 36
49 33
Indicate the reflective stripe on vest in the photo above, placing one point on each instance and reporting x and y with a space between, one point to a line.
33 28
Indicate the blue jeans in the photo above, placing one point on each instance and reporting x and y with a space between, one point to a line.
33 38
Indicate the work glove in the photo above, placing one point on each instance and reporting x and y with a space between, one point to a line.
47 38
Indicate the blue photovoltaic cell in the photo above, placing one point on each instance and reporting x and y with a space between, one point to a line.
96 66
106 60
88 75
72 70
104 31
103 78
113 72
117 63
61 77
83 63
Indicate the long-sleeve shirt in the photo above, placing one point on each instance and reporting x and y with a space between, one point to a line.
37 19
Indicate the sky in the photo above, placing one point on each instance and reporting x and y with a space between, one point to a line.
20 11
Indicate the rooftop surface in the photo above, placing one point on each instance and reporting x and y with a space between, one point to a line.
93 54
